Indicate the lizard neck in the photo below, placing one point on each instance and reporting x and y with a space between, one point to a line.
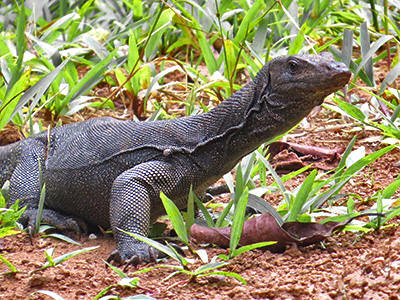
231 130
226 118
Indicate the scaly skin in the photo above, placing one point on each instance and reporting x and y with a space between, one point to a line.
110 173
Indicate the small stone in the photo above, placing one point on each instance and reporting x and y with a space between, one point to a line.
396 244
216 278
356 292
92 236
89 273
323 297
379 259
94 283
59 277
80 293
395 264
64 272
356 280
395 278
378 281
37 280
42 243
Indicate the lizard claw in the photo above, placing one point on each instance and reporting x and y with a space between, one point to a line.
31 231
114 257
133 254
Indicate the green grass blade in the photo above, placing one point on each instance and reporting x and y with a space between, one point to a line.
210 266
133 53
9 264
392 214
252 247
365 47
240 184
353 66
154 82
8 104
67 256
293 174
238 220
116 270
51 294
159 27
389 191
100 51
328 44
347 47
342 162
301 197
375 47
276 178
390 78
17 70
222 273
359 165
391 131
62 238
49 256
40 208
175 217
316 201
224 213
350 205
297 44
263 206
247 166
229 182
248 21
351 110
159 247
205 212
190 210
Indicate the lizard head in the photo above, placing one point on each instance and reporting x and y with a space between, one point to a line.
304 80
289 87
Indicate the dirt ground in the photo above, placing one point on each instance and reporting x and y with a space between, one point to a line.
346 266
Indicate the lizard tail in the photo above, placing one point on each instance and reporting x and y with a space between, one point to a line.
9 158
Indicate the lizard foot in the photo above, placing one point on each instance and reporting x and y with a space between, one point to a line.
60 222
133 254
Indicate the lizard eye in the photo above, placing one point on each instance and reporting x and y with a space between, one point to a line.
293 66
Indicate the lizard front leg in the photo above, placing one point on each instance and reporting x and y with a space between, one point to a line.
134 195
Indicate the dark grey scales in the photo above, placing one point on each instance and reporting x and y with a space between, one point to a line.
110 173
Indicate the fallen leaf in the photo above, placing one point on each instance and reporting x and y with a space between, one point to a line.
264 228
286 157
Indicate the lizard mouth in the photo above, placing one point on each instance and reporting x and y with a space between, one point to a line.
336 81
342 78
